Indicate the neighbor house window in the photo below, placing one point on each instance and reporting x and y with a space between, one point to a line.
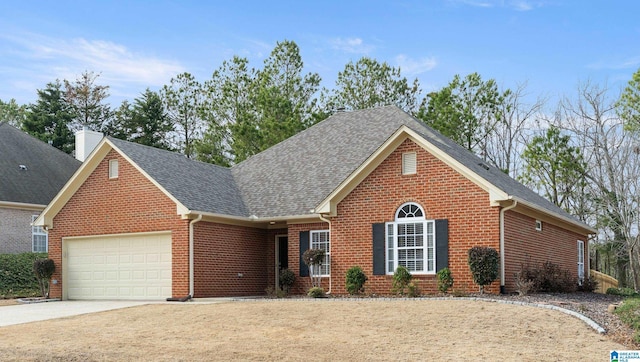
113 168
580 261
39 239
410 241
538 225
320 240
409 163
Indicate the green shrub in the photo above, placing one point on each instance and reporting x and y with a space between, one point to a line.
412 289
355 280
401 280
629 313
16 275
484 263
445 280
286 279
316 292
43 270
626 292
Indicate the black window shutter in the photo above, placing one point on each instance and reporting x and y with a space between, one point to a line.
442 244
304 246
378 249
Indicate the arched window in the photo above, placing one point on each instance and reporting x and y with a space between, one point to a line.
410 241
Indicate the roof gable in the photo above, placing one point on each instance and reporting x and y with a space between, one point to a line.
46 169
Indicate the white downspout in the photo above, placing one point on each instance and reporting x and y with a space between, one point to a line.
191 253
330 237
502 211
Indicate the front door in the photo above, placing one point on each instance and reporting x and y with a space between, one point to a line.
282 255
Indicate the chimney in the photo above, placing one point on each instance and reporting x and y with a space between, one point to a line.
86 141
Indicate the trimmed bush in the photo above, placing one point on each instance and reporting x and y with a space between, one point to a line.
484 263
286 279
548 277
355 280
401 279
316 292
43 269
445 280
16 275
313 258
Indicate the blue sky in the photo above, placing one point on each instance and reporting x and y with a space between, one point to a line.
552 45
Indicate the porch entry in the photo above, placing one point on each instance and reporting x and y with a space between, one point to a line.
282 256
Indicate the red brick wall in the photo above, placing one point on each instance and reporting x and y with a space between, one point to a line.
523 243
302 284
441 191
222 253
128 204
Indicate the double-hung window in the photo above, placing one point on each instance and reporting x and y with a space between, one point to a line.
411 241
580 261
38 237
320 240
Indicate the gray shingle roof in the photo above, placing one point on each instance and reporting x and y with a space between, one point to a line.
294 176
198 186
47 168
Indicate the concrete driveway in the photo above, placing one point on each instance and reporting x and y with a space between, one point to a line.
25 313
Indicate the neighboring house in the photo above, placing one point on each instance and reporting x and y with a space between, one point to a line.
31 174
374 188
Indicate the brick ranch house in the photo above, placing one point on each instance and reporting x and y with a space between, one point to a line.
374 188
31 174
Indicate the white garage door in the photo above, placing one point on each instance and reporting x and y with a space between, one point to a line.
131 266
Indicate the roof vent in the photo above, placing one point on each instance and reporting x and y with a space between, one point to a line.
481 164
23 167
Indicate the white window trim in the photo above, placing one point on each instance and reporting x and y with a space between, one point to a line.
538 225
391 242
38 231
581 271
327 255
113 169
406 157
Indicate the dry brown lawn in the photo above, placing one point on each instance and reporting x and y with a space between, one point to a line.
320 330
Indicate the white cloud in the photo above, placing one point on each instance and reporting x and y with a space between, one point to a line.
351 45
629 63
38 59
415 66
518 5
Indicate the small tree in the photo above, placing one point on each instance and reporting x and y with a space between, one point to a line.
313 258
445 280
355 280
483 262
43 269
401 279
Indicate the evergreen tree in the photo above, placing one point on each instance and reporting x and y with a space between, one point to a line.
49 118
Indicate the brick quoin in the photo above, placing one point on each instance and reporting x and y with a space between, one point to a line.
128 204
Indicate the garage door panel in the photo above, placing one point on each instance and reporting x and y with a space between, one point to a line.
119 267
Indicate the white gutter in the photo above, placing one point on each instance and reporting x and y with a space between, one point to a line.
191 253
502 211
330 237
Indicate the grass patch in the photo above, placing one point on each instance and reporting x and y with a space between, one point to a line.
629 313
